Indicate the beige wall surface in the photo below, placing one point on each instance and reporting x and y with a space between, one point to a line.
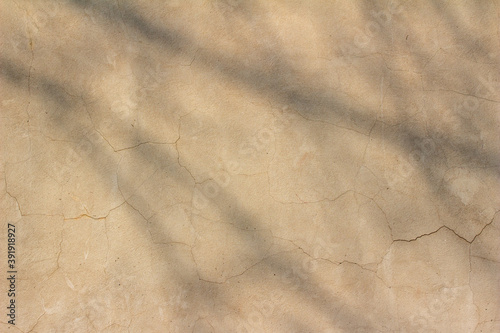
249 166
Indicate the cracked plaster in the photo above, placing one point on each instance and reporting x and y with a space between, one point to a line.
252 166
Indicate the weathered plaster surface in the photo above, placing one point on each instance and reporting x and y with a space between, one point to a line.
251 166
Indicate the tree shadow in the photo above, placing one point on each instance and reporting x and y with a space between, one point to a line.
282 87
